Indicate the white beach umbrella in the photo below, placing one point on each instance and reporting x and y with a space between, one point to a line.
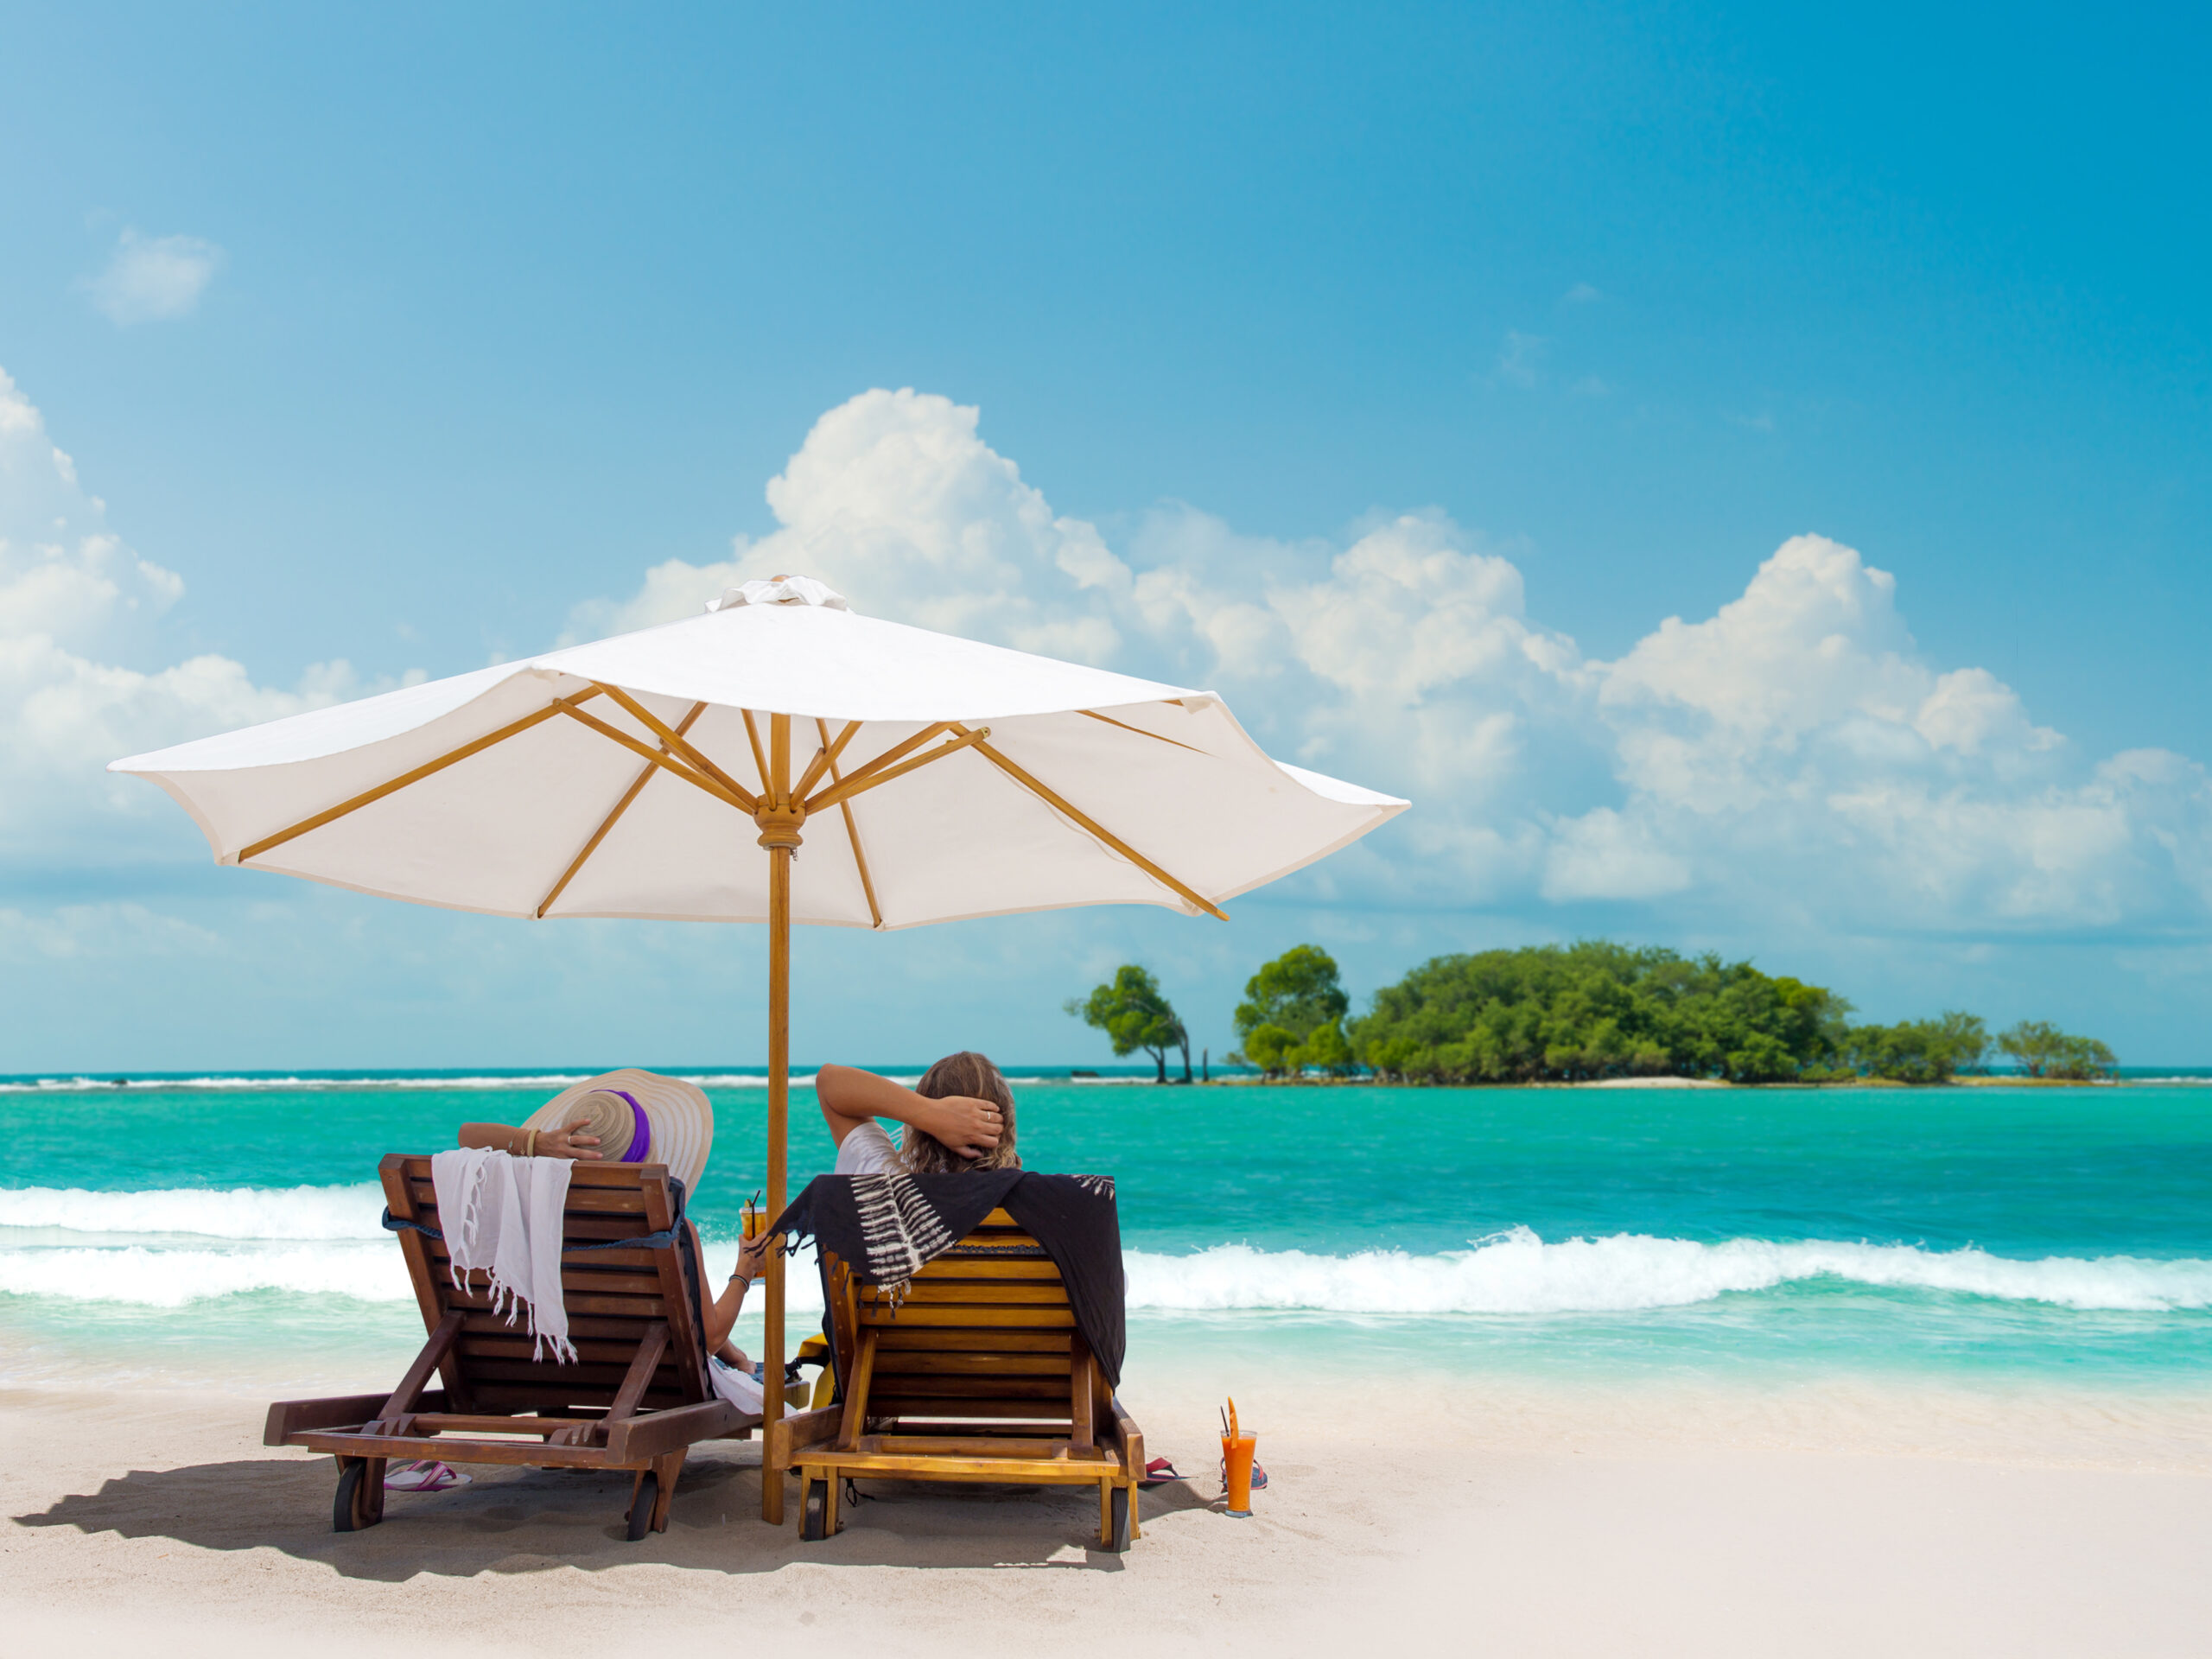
672 773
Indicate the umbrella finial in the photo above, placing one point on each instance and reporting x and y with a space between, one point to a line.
781 590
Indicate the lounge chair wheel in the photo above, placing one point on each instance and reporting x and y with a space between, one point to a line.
814 1515
360 1502
641 1510
1118 1512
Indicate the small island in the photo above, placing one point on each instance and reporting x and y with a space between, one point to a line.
1594 1011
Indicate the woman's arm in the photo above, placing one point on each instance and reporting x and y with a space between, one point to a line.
850 1097
550 1144
719 1313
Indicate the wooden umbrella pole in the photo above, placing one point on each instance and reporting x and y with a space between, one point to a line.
779 819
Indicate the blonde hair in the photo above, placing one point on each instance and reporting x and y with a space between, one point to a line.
965 1073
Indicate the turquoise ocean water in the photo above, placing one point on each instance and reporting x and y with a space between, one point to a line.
1999 1234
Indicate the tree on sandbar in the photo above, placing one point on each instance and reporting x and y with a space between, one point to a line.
1134 1014
2041 1050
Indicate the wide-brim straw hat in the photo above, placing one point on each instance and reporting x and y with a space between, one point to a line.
678 1115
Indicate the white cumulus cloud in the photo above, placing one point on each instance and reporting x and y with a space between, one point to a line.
149 278
1795 753
896 502
77 606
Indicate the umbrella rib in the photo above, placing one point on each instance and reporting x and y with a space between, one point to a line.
826 758
829 758
331 814
862 775
673 741
1138 730
1096 827
637 787
860 782
760 756
664 762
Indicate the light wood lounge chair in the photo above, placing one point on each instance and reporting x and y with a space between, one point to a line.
978 1375
637 1396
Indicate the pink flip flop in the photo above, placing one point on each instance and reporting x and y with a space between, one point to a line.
1158 1472
424 1476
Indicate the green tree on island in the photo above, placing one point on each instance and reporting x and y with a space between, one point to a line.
1293 1015
2041 1050
1133 1014
1597 1009
1918 1050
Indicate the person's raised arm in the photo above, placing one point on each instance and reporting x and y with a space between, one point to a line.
849 1097
574 1141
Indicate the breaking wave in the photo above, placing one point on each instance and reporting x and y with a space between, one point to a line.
168 1248
257 1212
1516 1272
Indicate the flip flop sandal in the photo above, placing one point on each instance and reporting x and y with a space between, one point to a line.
425 1476
1158 1472
1259 1475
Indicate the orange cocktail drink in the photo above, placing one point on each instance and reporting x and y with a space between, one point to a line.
1236 1471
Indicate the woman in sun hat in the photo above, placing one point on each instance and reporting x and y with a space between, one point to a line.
629 1117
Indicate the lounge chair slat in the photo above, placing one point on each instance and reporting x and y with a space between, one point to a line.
551 1397
633 1177
586 1376
636 1307
622 1330
452 1449
912 1406
946 1270
899 1387
582 1200
506 1345
593 1281
1025 1318
1043 1471
895 1340
975 1446
923 1291
912 1362
596 1228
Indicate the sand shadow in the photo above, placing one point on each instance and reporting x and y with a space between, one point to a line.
518 1521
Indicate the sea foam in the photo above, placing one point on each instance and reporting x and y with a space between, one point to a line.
259 1212
165 1278
167 1248
1516 1272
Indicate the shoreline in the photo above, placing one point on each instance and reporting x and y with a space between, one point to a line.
157 1518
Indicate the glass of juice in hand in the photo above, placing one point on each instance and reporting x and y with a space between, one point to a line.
754 1220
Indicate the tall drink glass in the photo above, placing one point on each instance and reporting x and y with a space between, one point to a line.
1236 1466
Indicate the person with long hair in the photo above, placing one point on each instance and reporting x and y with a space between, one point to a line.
959 1117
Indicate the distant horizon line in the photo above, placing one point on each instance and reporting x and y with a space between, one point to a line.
66 1078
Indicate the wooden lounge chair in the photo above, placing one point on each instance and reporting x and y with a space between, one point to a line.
637 1396
978 1375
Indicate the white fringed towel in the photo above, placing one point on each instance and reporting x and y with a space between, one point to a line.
503 1214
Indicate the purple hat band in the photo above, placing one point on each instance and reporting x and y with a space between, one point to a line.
641 1135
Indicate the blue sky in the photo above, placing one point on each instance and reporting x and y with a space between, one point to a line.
412 339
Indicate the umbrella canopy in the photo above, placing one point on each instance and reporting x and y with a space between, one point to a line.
675 773
625 777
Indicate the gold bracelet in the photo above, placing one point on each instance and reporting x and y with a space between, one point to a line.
529 1143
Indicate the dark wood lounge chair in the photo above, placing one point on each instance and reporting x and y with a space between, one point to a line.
978 1375
637 1396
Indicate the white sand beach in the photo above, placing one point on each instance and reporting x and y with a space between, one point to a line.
158 1522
